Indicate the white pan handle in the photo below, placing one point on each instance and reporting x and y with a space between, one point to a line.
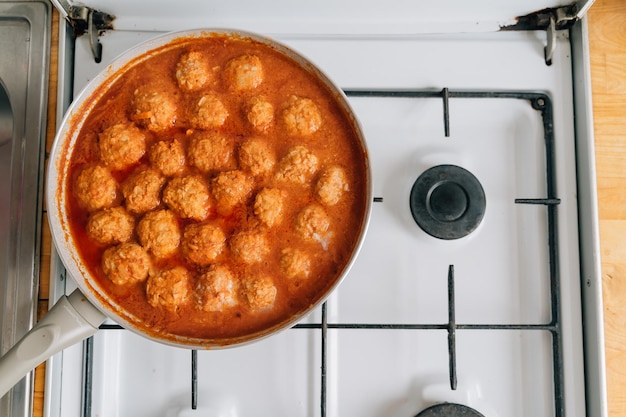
71 320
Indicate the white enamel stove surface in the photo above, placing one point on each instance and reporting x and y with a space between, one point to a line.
400 277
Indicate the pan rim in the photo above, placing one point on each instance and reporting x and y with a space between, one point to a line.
58 167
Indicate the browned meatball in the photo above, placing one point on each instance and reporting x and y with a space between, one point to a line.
312 223
193 71
170 288
331 185
203 243
268 206
121 145
298 166
95 188
168 157
210 151
216 289
153 109
256 156
260 114
259 292
244 72
142 190
208 112
295 263
188 197
159 233
229 189
110 226
249 246
301 116
127 263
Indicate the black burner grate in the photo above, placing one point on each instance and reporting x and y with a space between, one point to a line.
539 102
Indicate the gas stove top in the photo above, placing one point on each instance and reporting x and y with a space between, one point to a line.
487 320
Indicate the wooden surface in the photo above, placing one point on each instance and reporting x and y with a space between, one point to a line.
607 33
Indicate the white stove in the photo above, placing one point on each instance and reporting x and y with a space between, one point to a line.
492 320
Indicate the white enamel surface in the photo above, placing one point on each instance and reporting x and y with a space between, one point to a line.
362 17
400 275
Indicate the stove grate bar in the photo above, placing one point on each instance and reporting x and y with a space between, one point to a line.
194 379
451 329
544 201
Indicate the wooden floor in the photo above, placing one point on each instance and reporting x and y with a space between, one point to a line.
607 32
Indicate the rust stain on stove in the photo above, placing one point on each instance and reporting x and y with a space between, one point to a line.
540 19
79 22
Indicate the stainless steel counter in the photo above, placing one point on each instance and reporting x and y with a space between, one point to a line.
24 52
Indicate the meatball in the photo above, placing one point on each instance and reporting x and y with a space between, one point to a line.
244 72
121 145
256 156
297 166
127 263
202 243
142 190
155 110
331 185
158 233
170 288
208 112
95 188
260 114
168 157
312 223
295 263
268 205
301 116
230 188
193 71
249 246
188 197
110 226
216 289
258 291
209 152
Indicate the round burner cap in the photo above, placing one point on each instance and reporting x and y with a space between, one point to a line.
447 202
449 410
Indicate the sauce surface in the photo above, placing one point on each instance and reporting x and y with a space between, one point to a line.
216 189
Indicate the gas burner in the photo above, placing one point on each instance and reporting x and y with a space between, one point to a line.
449 410
447 202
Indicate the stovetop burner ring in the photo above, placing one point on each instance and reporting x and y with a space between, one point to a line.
447 202
449 410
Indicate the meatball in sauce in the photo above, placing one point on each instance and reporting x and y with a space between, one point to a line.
142 190
127 263
95 188
193 71
122 145
154 109
188 197
167 156
159 233
216 289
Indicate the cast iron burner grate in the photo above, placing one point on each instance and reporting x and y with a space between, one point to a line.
447 202
539 102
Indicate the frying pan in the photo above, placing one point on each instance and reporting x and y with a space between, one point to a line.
79 315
